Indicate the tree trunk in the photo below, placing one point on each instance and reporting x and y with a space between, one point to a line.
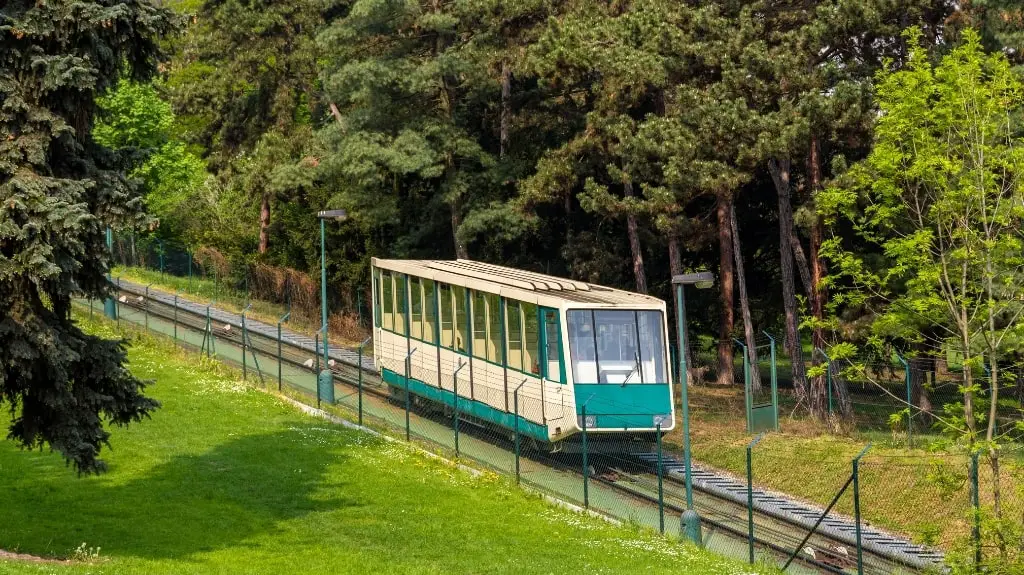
727 317
741 283
801 264
460 247
675 265
264 223
506 107
819 393
920 366
779 168
634 244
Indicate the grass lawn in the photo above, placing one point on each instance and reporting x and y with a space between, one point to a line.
923 495
228 479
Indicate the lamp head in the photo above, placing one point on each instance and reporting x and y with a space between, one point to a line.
336 215
699 280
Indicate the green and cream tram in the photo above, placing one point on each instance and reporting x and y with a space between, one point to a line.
487 331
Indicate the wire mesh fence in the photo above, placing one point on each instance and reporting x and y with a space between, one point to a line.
206 274
923 498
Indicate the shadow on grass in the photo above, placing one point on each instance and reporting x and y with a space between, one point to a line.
223 498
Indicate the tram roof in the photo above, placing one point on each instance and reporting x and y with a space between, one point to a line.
478 275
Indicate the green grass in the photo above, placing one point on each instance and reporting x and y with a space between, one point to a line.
228 479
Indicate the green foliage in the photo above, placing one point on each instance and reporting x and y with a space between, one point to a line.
59 189
937 204
135 119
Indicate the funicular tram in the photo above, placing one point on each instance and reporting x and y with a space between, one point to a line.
485 331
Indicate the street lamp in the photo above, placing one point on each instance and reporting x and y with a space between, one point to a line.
325 381
699 280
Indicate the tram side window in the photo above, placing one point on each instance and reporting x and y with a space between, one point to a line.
376 297
461 318
429 311
494 342
447 325
479 325
400 304
531 338
515 334
388 301
416 309
582 346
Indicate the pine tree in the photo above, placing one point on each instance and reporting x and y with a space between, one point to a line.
59 190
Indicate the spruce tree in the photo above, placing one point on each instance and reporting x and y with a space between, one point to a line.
59 191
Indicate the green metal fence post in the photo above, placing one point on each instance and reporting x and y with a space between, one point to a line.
775 380
976 505
750 495
316 370
408 403
176 317
515 402
360 377
145 307
189 254
586 472
245 367
90 308
661 486
747 400
281 320
856 507
161 244
455 402
910 405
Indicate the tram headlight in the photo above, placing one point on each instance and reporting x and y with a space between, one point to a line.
591 421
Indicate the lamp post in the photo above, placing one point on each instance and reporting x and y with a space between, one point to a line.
325 379
700 280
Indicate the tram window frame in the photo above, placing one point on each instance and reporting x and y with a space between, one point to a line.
531 318
461 319
495 343
388 300
401 297
415 308
376 297
447 315
479 324
429 311
514 338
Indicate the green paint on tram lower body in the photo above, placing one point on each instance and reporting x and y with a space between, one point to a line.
628 406
466 405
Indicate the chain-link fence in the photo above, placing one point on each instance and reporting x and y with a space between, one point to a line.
205 274
908 511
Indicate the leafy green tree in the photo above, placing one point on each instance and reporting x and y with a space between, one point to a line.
59 190
136 121
942 196
243 80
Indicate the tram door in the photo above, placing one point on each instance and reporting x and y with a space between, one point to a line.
551 344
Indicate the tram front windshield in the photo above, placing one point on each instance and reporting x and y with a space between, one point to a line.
617 346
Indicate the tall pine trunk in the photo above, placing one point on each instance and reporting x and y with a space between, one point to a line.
780 171
726 298
264 223
741 283
634 244
506 107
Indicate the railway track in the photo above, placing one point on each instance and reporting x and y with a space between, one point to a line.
780 523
